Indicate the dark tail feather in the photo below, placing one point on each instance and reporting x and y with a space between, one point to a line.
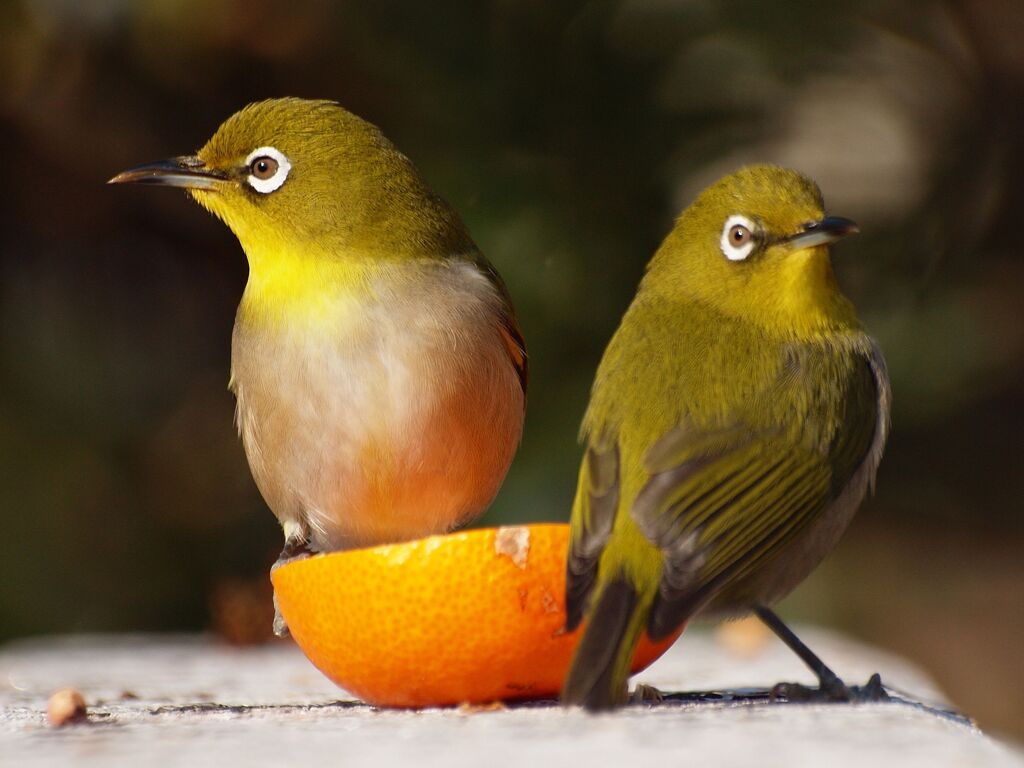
600 668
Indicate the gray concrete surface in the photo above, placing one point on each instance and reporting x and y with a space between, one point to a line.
173 700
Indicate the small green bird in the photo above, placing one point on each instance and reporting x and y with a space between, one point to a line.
736 422
377 362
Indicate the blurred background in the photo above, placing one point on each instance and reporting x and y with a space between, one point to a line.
568 134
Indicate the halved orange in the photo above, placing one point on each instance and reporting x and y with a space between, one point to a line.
471 617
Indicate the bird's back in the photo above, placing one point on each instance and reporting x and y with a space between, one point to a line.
690 367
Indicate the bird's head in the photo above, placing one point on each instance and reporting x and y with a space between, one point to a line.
295 178
755 245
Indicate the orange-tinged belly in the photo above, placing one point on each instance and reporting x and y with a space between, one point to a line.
372 461
438 470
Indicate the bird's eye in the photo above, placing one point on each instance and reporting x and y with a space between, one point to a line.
267 169
738 234
738 238
263 168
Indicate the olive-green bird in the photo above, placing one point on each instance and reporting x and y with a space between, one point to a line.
379 369
736 422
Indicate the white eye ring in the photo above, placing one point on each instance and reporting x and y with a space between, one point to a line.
738 237
270 183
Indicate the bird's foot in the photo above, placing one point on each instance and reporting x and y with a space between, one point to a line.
294 549
646 694
832 690
280 626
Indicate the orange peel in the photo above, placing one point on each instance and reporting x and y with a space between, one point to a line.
469 617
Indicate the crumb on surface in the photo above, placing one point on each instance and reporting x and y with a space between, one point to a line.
65 706
468 708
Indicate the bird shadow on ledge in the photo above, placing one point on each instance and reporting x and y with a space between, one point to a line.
738 697
662 700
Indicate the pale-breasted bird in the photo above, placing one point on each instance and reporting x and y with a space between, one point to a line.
736 422
378 366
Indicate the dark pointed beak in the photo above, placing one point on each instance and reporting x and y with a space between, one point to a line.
823 232
186 172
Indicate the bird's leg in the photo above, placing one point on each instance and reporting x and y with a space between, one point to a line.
296 547
296 543
830 686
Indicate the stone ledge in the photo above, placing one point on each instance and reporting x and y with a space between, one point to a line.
187 700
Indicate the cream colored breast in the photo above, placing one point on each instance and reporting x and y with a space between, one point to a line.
394 416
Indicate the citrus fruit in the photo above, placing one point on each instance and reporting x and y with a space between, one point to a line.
470 617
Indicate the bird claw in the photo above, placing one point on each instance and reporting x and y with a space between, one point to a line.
280 626
646 694
832 690
293 550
